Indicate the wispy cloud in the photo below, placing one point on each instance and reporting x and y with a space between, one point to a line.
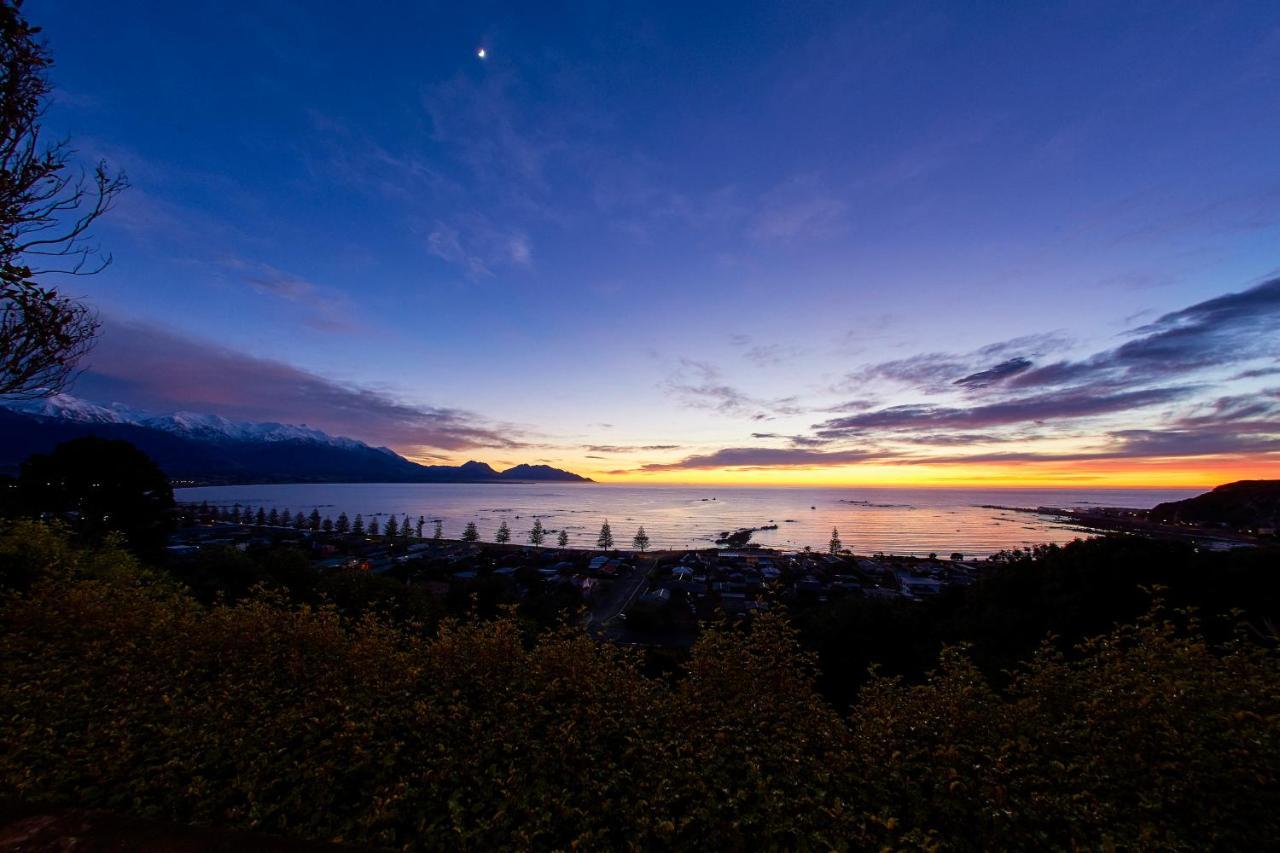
937 372
1227 330
1078 403
764 354
700 385
998 373
322 308
764 457
474 243
801 208
1064 411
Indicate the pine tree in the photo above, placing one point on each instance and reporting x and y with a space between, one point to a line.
563 539
260 518
605 539
286 517
214 513
641 540
406 528
392 529
537 533
422 522
274 518
373 527
343 524
358 527
503 535
235 513
327 524
470 534
315 519
300 522
834 545
439 534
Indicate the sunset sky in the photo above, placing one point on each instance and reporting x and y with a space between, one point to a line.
845 243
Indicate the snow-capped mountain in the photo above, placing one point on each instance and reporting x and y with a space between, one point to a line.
68 408
205 448
194 425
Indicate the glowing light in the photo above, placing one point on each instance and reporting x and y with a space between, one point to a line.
480 53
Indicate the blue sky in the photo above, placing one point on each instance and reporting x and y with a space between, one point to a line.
644 225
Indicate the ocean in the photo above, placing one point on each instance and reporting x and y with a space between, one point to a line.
896 521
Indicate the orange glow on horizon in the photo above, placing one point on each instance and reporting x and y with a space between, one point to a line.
1204 472
1151 472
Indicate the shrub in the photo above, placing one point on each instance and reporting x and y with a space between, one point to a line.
124 693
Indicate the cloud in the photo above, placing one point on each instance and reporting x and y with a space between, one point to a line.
938 372
1077 403
1168 443
993 375
155 370
997 395
1258 373
491 126
929 372
698 385
763 355
796 440
1230 329
350 155
954 439
851 406
764 457
629 448
321 308
800 208
473 242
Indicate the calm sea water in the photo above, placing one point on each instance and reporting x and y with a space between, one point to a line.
899 521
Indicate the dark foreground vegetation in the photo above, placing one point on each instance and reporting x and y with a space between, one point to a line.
121 691
1069 593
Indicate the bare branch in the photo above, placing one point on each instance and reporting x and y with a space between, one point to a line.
47 209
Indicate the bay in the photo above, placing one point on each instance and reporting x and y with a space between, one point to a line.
892 520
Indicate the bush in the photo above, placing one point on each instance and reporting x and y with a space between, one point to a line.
124 693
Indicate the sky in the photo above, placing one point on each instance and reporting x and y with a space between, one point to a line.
767 243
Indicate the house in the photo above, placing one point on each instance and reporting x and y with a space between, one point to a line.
655 597
809 584
919 587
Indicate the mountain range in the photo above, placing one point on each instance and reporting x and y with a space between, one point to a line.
209 449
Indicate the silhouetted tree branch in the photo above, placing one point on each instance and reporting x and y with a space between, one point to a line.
46 211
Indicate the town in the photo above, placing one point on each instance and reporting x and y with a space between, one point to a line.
633 596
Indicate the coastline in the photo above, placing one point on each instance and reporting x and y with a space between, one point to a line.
1126 520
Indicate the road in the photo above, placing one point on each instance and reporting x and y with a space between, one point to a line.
625 589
